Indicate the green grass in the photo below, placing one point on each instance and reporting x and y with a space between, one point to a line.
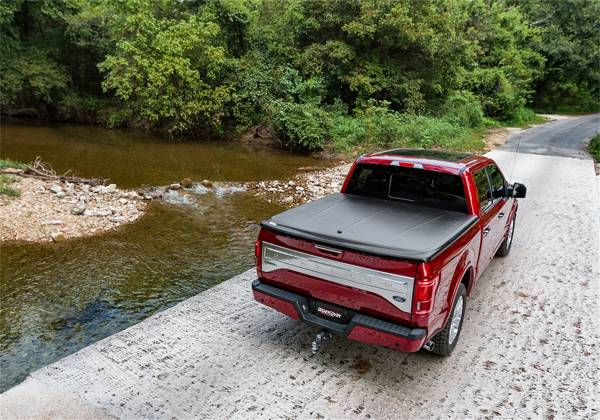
523 118
6 188
594 147
7 163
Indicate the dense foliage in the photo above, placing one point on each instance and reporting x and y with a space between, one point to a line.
353 71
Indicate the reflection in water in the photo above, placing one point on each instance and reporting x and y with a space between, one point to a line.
132 159
59 297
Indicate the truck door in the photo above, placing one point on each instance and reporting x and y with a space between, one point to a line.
488 216
498 185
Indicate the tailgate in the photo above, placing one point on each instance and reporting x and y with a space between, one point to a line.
364 283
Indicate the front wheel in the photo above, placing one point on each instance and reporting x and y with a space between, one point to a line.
507 242
445 341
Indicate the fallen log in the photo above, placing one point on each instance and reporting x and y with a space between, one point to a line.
41 170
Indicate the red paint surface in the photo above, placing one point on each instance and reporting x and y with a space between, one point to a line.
280 305
379 338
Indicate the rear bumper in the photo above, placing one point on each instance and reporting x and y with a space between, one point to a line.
361 327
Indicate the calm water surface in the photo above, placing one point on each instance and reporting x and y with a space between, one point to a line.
59 297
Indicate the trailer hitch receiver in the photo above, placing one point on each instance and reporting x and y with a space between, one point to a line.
319 338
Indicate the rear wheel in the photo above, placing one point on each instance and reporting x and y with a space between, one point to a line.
507 243
445 341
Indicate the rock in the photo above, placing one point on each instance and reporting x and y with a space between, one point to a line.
85 188
58 236
287 200
111 189
104 212
12 171
186 183
123 201
56 188
40 189
118 219
207 183
60 194
175 186
78 209
147 197
52 222
133 195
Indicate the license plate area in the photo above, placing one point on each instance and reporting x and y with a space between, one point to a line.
330 312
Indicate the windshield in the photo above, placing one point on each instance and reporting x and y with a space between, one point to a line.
416 186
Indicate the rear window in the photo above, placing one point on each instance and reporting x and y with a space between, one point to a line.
410 185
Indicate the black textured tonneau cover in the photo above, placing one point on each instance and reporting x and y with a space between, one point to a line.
374 226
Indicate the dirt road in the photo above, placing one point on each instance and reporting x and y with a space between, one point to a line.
529 346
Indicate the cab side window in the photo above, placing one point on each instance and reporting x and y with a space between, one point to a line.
483 189
497 181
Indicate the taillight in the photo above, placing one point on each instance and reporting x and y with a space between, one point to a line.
424 293
257 255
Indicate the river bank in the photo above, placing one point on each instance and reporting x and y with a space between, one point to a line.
316 183
44 210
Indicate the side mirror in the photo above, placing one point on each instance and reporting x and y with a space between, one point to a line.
518 190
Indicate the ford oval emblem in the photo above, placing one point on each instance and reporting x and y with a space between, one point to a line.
399 299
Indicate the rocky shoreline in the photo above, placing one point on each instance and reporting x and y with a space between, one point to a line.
56 211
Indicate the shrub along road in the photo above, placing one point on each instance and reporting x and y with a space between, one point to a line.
529 345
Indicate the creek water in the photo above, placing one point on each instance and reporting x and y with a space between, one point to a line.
56 298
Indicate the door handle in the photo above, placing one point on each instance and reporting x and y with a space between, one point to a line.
501 215
486 231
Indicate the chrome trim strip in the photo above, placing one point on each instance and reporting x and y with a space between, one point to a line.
394 288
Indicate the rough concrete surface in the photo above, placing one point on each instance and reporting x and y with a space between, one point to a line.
529 346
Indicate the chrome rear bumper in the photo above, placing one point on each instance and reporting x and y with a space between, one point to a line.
396 289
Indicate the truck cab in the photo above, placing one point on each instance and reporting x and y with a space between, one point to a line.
392 258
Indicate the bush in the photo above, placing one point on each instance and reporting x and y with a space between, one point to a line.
377 127
594 147
300 126
499 99
464 109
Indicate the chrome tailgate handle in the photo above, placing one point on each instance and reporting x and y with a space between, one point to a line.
324 248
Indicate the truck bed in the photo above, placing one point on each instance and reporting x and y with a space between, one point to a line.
374 226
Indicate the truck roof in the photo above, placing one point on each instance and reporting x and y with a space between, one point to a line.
443 161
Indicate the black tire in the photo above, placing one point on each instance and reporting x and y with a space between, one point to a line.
508 240
441 341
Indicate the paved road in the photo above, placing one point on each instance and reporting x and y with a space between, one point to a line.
529 347
563 137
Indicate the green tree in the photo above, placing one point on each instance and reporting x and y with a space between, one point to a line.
169 72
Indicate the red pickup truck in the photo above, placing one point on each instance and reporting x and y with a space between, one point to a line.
392 258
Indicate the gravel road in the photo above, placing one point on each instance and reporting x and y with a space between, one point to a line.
529 346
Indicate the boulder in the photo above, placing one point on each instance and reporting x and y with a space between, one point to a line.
186 183
111 189
56 188
175 186
207 183
58 236
60 194
78 209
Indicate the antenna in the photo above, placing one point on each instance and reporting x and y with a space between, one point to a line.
515 159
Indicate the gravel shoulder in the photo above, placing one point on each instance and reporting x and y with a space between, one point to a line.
56 211
529 346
